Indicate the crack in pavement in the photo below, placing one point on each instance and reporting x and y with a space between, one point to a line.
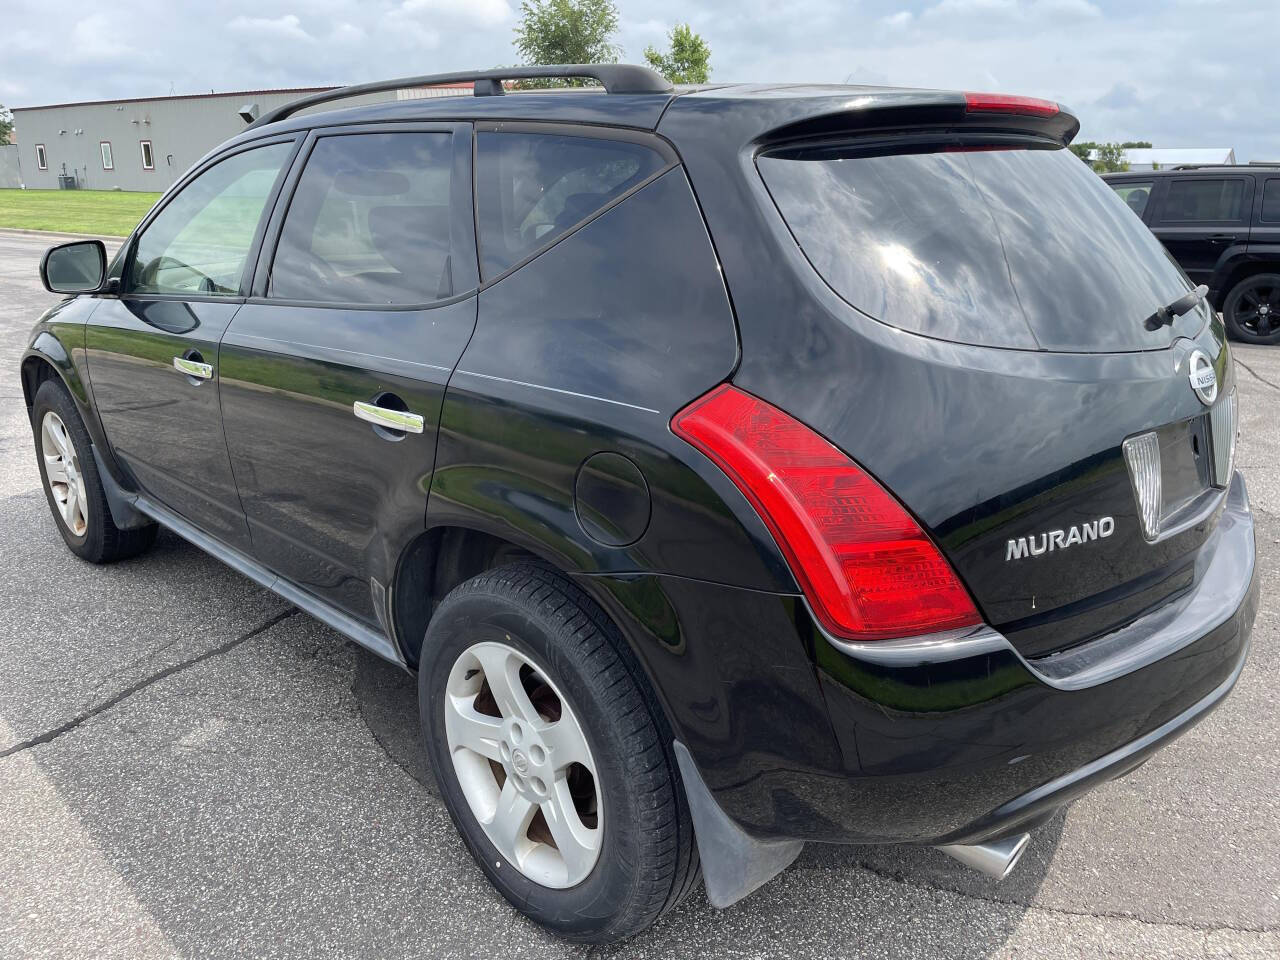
1256 376
50 735
923 884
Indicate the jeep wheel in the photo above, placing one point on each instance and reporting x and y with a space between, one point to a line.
1252 309
551 756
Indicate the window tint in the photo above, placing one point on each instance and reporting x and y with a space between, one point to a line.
1271 201
1203 200
200 241
369 222
535 187
1006 247
1135 195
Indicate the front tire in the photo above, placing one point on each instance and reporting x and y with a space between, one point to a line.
552 757
1252 309
69 474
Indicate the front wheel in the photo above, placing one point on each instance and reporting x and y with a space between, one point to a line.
72 486
1252 309
551 755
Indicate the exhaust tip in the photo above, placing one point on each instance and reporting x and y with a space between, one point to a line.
995 859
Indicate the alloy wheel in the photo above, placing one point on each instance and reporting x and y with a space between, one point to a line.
62 474
1258 308
523 764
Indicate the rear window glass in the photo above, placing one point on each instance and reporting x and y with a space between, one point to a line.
535 187
1204 200
1010 246
1271 201
1135 195
369 222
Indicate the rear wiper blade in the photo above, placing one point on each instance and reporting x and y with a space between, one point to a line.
1167 314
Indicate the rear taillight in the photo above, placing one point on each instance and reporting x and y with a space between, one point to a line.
1003 103
865 565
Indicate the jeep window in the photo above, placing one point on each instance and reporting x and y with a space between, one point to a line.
1011 246
1189 201
199 243
369 222
1134 194
1271 201
535 187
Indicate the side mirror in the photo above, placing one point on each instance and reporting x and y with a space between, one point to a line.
72 268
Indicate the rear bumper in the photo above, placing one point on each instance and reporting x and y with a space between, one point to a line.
961 739
798 737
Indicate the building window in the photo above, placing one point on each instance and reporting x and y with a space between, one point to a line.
148 161
42 162
107 162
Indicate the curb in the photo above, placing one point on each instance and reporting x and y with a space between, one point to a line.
55 234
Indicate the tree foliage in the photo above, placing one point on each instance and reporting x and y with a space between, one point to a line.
567 31
689 60
6 123
1106 157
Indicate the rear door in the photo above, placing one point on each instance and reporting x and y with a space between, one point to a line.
1202 217
1264 235
153 350
334 371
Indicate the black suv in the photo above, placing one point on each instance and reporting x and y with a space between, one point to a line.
736 467
1222 224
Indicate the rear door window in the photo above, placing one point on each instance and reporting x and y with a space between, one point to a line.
1010 245
1219 200
533 188
1271 201
369 222
1135 194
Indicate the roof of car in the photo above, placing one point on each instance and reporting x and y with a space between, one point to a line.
1192 168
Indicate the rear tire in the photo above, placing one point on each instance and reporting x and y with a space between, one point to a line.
527 621
72 486
1252 309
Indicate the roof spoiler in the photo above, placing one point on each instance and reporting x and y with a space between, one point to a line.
614 77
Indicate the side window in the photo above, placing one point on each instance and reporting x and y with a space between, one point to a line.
535 187
1134 194
199 243
1271 201
1207 200
369 222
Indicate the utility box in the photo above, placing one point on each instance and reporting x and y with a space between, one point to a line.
66 181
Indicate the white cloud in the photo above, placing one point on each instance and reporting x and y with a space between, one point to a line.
1138 69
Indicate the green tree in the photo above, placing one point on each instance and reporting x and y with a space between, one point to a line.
689 60
1105 157
6 123
567 31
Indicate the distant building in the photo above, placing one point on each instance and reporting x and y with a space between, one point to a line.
1162 158
145 143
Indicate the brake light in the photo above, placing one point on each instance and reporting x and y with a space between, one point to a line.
868 569
1003 103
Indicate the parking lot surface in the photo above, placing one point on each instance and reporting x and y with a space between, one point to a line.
190 767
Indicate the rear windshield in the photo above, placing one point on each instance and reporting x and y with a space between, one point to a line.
1017 245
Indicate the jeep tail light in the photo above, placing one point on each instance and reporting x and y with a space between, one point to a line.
865 565
1003 103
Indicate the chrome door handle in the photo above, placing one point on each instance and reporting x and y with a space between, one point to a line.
193 368
387 418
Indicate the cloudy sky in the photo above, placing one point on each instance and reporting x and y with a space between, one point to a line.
1177 73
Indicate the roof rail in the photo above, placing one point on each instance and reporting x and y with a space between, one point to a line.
614 77
1206 166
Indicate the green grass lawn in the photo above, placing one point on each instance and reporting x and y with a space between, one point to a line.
111 213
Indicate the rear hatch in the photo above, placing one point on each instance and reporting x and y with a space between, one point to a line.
1009 245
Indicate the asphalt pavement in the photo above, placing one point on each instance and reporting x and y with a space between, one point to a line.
191 767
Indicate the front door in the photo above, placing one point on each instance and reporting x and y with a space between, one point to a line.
1202 217
333 374
152 351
